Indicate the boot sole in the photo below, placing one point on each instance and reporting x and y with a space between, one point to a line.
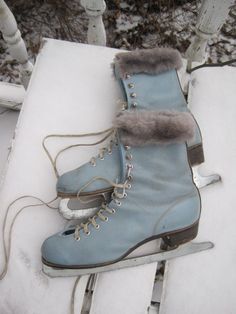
170 239
195 155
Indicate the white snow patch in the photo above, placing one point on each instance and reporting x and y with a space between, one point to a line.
125 23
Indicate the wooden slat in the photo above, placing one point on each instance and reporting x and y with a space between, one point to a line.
7 127
205 283
72 90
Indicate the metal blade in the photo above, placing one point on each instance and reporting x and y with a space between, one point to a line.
202 181
185 249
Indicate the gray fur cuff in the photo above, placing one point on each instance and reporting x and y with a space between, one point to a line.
143 127
151 61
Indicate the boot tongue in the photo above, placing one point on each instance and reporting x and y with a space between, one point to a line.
122 153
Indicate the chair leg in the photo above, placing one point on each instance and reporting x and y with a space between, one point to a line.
16 45
96 31
211 17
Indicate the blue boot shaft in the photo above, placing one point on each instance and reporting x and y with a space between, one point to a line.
147 91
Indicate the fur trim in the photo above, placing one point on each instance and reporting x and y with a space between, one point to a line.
151 61
143 127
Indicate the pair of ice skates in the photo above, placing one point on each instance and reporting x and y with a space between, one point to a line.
140 187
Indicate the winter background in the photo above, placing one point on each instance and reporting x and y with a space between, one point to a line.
129 25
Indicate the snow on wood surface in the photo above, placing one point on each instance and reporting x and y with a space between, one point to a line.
72 90
11 92
205 282
7 127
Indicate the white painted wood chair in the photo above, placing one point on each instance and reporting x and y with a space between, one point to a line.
56 104
12 95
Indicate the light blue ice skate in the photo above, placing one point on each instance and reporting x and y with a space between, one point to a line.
154 197
149 81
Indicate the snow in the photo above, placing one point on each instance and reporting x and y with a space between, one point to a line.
7 127
205 283
125 23
132 29
85 103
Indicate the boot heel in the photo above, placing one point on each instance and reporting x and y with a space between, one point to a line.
196 155
181 237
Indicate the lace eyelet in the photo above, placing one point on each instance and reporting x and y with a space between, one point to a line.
129 186
133 95
106 219
130 178
128 156
125 195
101 158
129 166
109 152
93 163
131 85
77 238
87 233
97 226
113 211
118 203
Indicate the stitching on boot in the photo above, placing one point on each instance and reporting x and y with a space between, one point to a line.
143 127
151 61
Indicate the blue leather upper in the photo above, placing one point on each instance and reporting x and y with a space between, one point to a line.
153 92
72 181
162 199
